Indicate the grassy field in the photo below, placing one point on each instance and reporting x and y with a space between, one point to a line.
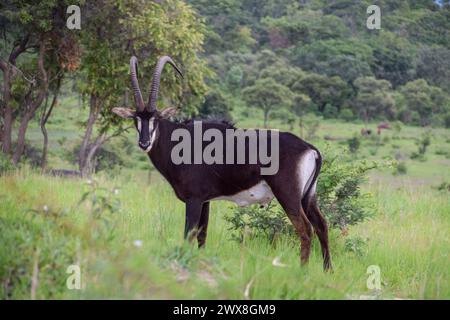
125 232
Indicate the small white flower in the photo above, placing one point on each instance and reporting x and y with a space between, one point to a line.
276 262
89 181
116 191
137 243
45 208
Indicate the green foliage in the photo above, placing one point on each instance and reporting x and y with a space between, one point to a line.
339 193
259 221
347 115
374 99
110 157
105 64
356 244
444 186
215 106
322 90
353 144
423 142
330 111
401 168
323 51
5 164
346 59
428 102
266 94
234 78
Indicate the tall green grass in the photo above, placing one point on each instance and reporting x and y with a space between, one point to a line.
44 229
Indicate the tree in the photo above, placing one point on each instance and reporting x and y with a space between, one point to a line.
374 99
323 90
428 102
348 59
116 30
393 59
215 105
434 66
266 94
301 103
34 32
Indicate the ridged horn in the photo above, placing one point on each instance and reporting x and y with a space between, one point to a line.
154 91
135 84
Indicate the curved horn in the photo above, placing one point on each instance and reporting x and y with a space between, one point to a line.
135 84
156 80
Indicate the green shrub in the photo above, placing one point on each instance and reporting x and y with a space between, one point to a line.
401 168
423 142
5 164
447 120
356 244
252 221
330 111
444 186
347 115
215 106
353 144
338 189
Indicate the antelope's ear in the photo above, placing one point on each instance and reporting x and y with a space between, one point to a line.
126 113
168 112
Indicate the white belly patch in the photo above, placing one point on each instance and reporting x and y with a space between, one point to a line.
259 193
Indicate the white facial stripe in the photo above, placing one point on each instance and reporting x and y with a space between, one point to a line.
150 125
139 125
152 131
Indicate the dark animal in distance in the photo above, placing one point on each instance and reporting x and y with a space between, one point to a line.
366 132
294 185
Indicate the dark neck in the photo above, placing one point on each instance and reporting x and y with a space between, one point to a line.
161 151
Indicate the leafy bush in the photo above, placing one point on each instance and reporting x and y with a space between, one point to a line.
338 189
267 221
339 195
356 244
444 186
5 164
215 105
330 111
423 142
353 144
347 115
401 168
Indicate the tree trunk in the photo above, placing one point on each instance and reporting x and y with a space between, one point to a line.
89 165
266 117
84 150
45 116
8 70
33 107
7 111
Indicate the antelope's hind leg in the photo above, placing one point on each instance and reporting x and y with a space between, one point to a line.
287 195
320 226
203 225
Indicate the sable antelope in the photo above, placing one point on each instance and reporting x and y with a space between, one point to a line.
382 125
293 185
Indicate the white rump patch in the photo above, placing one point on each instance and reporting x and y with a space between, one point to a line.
305 169
259 193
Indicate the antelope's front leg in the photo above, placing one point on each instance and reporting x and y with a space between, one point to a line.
193 214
